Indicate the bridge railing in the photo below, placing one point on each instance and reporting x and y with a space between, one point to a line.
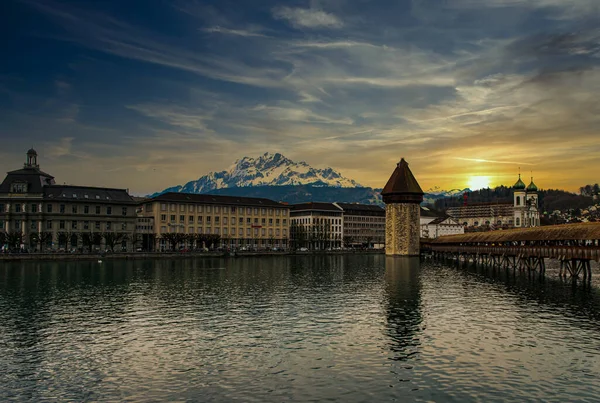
552 252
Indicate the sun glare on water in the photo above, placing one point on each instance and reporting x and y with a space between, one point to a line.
479 182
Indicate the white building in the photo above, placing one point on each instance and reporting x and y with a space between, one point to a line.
441 226
316 226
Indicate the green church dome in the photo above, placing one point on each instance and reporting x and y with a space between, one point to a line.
520 185
532 187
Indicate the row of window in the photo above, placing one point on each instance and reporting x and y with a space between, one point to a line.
36 208
314 228
230 231
63 225
317 220
218 209
199 219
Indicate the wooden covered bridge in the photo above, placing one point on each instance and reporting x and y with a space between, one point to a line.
573 245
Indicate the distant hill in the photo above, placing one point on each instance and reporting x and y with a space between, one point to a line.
305 193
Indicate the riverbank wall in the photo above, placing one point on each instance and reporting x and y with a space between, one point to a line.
164 255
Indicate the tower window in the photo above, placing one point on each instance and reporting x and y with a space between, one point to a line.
518 200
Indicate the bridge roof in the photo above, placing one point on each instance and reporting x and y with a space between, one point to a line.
564 232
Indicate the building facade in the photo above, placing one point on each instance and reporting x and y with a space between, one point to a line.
317 226
38 214
363 225
183 220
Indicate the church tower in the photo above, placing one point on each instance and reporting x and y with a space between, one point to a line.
402 196
533 215
520 203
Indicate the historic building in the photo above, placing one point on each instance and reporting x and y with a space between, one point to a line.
230 221
363 225
36 213
522 212
402 196
317 226
526 213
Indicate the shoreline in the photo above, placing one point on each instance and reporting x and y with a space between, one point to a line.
166 255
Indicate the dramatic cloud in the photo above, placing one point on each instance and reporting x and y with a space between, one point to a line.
459 88
307 18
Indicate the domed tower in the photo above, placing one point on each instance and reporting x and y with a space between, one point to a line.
402 196
31 159
520 202
533 215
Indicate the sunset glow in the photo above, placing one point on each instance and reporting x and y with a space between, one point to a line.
479 182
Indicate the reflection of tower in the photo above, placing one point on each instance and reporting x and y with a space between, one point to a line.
402 196
404 317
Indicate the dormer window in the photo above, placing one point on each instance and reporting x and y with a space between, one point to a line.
98 197
18 187
85 196
74 196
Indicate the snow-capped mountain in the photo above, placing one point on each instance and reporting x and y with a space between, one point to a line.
266 170
435 193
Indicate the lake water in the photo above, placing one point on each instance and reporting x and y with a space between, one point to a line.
348 328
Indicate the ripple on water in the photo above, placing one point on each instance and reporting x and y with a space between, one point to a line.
341 328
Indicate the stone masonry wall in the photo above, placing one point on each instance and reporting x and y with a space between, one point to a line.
402 229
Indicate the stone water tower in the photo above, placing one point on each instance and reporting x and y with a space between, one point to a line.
402 196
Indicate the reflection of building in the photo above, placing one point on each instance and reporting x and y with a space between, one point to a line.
317 225
402 305
238 221
402 196
522 212
34 211
364 225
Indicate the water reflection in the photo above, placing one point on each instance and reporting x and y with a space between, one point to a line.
403 306
350 328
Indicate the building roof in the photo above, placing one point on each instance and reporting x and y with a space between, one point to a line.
312 206
35 179
481 210
519 185
214 199
361 207
72 192
532 187
428 212
402 187
579 231
31 151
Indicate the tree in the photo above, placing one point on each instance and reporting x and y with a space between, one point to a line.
3 238
113 238
348 241
34 240
44 238
174 239
87 239
14 239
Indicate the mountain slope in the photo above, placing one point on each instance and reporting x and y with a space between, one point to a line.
266 170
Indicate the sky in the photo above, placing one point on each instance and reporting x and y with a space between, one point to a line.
146 94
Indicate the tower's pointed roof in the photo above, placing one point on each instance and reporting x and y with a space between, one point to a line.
520 185
402 187
532 187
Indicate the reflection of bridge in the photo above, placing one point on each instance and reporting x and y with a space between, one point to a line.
573 245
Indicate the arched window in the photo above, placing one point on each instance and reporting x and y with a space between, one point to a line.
465 223
487 223
518 222
499 222
518 200
476 223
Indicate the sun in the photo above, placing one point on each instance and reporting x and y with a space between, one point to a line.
479 182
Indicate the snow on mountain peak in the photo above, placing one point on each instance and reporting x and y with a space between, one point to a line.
267 169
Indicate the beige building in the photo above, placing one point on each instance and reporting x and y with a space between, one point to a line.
237 222
36 213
